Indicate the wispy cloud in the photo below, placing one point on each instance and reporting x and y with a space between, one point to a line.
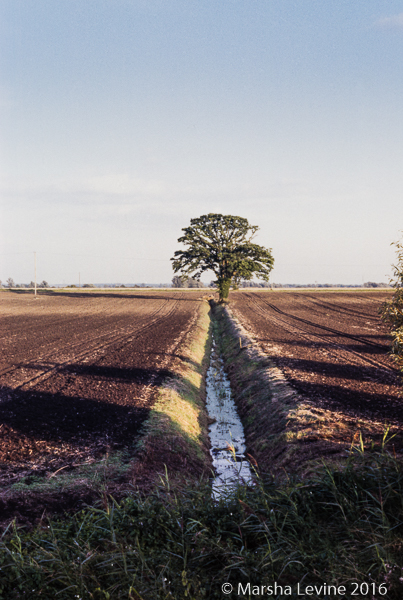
124 184
393 22
118 194
119 187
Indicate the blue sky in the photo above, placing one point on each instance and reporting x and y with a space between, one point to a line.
123 119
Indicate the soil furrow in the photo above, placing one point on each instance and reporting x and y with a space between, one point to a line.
92 394
111 337
332 347
312 336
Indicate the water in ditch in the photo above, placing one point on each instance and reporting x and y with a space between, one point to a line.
226 432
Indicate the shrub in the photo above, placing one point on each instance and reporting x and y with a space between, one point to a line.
392 310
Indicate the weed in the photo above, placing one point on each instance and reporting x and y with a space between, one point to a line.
342 526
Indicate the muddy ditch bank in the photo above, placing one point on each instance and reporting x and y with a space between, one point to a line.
285 431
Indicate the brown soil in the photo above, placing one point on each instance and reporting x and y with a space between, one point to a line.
331 346
79 373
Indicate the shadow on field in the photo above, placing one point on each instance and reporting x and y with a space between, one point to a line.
114 412
354 401
133 374
182 357
358 373
337 308
359 346
56 418
329 332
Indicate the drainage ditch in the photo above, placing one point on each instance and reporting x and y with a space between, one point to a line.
226 431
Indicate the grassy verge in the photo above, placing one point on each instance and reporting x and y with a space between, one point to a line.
176 432
343 529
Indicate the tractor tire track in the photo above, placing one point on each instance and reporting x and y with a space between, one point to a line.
311 336
97 345
319 352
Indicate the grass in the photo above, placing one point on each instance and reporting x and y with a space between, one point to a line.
111 466
343 526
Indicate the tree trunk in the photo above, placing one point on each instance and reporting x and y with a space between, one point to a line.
223 289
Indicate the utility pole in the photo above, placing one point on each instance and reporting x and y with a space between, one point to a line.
35 273
79 280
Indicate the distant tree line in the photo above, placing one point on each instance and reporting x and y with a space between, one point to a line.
254 284
265 284
372 284
190 282
186 282
11 284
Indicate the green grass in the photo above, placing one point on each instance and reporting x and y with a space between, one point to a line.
344 526
111 467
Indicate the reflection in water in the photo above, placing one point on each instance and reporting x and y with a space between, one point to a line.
226 433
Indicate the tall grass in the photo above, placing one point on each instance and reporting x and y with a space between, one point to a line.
344 526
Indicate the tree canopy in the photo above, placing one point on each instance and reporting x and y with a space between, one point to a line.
222 244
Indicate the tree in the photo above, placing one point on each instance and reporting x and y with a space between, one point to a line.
177 282
10 282
222 244
186 282
392 310
194 283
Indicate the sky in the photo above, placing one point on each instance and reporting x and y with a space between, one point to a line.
120 120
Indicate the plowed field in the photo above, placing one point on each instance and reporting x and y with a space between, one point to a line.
79 373
331 346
